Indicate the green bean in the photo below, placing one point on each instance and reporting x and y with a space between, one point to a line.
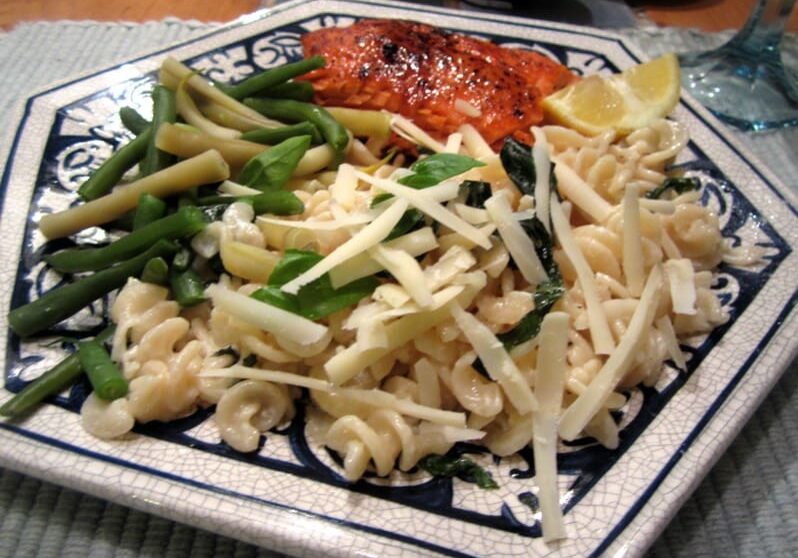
156 272
104 374
62 302
270 78
271 136
297 90
124 223
287 110
185 222
276 202
187 288
132 120
52 382
111 171
188 198
163 110
149 209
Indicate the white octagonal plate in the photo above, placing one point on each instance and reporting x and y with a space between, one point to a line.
290 495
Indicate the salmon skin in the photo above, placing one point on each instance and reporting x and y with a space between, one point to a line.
421 71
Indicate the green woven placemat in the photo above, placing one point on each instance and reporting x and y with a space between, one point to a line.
747 505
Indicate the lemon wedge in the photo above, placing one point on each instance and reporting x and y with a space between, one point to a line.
625 101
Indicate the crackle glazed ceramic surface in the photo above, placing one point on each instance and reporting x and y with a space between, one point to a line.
290 495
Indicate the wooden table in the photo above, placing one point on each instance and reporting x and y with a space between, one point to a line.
709 15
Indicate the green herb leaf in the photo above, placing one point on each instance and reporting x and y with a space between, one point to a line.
276 297
519 164
318 298
437 168
379 198
271 169
411 220
460 467
680 185
293 264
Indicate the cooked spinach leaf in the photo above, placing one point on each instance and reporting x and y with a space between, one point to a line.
546 293
250 360
517 161
544 246
528 327
274 296
477 192
230 351
680 185
460 467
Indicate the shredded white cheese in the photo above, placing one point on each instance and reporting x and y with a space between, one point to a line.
344 187
453 143
351 220
500 367
454 262
681 281
267 317
466 109
412 133
549 386
361 241
415 243
600 332
540 155
391 294
475 143
235 189
406 270
632 241
517 242
424 203
580 193
665 327
581 411
473 215
348 363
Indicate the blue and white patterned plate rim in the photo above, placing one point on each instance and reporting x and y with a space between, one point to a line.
160 490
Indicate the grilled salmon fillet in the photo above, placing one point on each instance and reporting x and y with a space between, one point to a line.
421 72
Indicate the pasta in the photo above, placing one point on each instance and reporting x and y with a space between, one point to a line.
404 342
